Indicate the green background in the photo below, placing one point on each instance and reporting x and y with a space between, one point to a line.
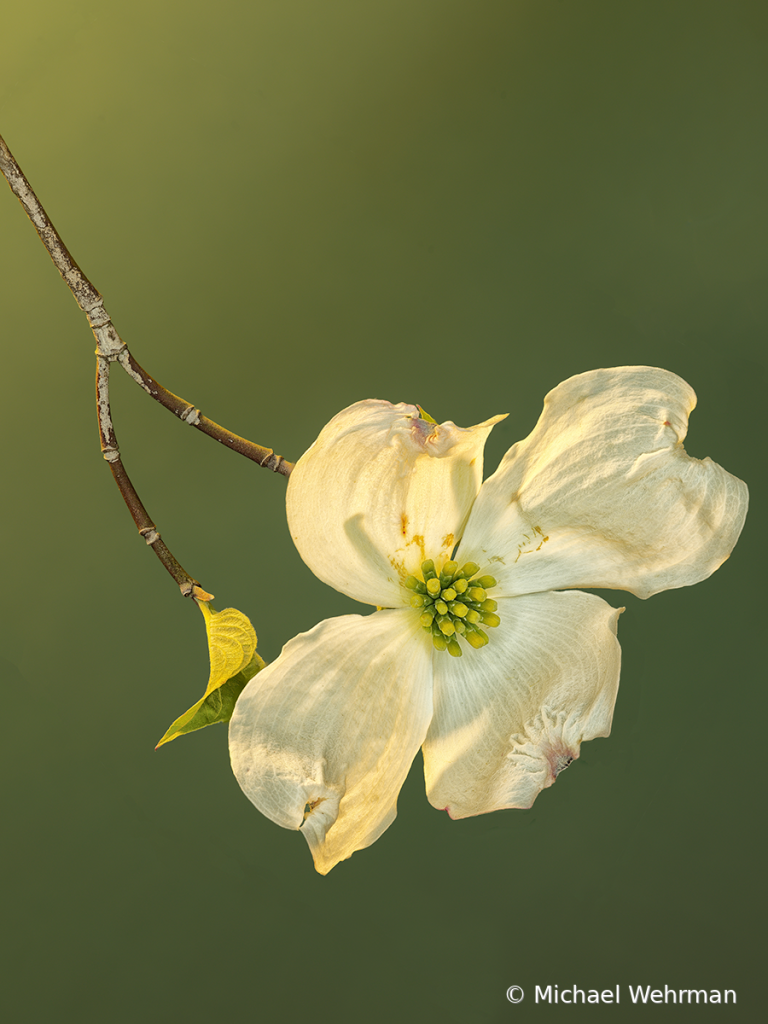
290 206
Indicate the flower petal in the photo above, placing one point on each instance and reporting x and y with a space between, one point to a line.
511 716
379 491
332 727
603 494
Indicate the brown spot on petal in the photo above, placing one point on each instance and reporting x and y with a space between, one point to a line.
421 432
403 524
559 757
309 807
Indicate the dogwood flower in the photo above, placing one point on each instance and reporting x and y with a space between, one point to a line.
480 650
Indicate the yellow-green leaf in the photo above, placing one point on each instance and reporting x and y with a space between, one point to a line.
233 658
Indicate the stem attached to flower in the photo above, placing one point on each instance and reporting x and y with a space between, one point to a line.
111 348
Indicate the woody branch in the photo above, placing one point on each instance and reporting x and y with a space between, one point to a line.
111 348
108 341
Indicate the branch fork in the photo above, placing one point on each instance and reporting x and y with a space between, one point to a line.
111 348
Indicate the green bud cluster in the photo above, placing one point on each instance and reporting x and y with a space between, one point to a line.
453 604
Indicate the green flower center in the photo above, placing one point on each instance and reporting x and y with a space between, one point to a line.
453 604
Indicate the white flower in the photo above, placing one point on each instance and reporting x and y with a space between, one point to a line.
601 494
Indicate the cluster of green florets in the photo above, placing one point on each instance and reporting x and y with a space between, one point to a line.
453 604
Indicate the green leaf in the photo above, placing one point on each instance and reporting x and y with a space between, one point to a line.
232 653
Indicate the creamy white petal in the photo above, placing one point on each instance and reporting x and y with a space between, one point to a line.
512 715
332 726
379 491
603 494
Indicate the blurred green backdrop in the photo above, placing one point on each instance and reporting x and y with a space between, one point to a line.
290 206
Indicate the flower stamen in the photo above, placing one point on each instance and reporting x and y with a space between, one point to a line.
453 604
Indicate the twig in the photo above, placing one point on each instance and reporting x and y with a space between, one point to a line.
111 452
189 414
108 342
111 348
